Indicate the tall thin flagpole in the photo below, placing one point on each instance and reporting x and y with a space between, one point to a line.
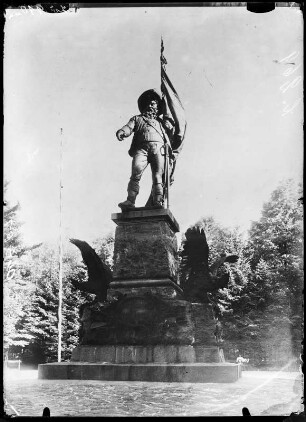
60 284
163 63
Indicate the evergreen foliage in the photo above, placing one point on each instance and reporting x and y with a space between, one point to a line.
276 256
41 320
17 287
261 310
104 247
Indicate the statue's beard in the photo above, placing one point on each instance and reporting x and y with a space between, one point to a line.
150 113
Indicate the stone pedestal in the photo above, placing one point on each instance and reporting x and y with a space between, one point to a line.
148 319
147 331
145 246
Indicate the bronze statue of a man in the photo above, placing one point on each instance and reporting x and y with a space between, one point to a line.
152 133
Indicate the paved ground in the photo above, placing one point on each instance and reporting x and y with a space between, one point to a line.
263 393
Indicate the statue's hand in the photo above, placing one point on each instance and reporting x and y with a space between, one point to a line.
120 135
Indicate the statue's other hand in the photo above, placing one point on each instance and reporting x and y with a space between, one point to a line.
120 135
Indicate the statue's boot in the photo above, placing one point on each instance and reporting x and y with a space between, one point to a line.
158 195
133 189
126 205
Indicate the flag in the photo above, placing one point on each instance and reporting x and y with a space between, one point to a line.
174 110
173 106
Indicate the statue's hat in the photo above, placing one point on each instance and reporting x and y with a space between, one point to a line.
146 97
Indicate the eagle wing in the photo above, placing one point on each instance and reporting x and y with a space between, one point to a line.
99 274
196 247
194 268
197 277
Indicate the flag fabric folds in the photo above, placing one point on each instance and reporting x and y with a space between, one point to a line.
173 107
174 111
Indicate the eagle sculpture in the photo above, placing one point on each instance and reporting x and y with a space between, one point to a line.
198 278
99 274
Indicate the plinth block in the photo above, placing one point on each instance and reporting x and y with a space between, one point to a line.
142 214
142 317
145 245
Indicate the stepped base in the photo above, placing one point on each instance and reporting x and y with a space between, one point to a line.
152 372
166 354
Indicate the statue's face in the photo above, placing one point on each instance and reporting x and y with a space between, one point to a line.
152 106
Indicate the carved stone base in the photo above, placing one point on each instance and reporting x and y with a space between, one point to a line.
146 319
145 245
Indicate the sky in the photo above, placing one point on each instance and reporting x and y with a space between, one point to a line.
239 77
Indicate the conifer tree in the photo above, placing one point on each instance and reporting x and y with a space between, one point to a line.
265 323
104 247
17 287
261 309
41 321
275 246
